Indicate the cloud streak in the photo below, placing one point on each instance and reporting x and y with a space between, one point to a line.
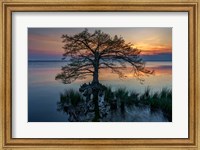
46 42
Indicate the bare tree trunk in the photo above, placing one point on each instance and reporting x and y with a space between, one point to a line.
96 105
96 93
96 75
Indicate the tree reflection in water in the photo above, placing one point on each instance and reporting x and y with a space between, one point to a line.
117 106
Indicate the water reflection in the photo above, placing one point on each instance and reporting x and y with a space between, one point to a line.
43 90
118 106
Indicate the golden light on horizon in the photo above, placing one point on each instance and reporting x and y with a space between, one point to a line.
148 49
45 43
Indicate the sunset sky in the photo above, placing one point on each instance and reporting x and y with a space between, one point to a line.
155 43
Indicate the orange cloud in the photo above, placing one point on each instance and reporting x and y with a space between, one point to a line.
148 49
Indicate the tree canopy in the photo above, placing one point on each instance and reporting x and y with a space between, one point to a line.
90 52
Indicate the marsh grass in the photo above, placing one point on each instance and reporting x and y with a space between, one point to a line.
121 99
69 97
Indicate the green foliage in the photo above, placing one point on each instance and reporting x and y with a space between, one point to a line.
108 95
145 97
133 99
159 101
166 103
122 94
155 100
63 101
71 97
74 96
122 98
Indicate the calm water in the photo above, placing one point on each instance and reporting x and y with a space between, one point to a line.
44 91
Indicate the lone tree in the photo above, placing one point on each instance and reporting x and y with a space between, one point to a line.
90 52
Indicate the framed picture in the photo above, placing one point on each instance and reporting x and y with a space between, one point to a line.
107 75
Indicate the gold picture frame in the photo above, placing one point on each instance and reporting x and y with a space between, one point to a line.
9 6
